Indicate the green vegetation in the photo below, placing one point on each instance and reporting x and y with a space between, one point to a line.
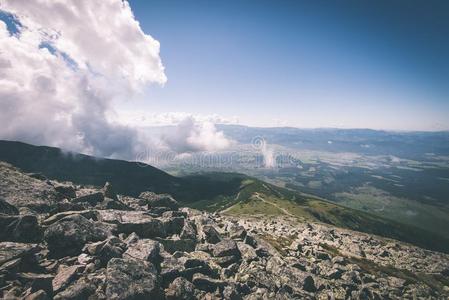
378 202
255 197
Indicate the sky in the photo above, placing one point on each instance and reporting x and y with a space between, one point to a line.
351 64
91 75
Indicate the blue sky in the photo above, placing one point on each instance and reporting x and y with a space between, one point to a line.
383 64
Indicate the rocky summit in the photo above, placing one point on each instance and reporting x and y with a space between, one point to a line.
64 241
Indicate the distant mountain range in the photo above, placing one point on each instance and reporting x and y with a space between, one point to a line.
230 193
366 141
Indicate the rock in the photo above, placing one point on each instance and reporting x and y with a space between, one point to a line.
18 228
180 288
159 200
85 259
66 191
204 247
109 203
250 240
23 191
322 255
12 255
158 211
237 232
172 225
131 239
230 292
7 209
109 192
139 222
174 244
88 214
65 276
39 295
225 261
194 265
79 290
334 273
37 282
174 214
226 248
93 198
170 269
131 279
248 253
144 249
207 284
210 234
65 205
188 231
68 235
262 252
107 249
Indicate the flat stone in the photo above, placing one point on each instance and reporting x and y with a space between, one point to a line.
92 198
20 228
68 236
144 249
37 281
181 289
131 279
11 251
65 276
174 244
144 225
226 248
207 284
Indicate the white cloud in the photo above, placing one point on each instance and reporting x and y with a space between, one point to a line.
60 73
144 119
192 135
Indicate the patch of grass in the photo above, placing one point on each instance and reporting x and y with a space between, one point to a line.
278 242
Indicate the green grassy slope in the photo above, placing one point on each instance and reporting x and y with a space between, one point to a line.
253 197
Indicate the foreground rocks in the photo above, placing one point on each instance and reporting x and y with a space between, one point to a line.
88 248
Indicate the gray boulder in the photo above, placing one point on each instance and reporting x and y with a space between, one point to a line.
7 209
159 200
226 248
172 225
65 276
174 244
144 249
189 230
108 191
68 235
139 222
181 289
207 284
37 282
66 191
210 234
93 198
131 279
107 249
19 228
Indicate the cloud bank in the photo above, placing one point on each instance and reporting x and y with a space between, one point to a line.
192 135
63 63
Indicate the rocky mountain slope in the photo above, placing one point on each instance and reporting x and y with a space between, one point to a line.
234 193
64 241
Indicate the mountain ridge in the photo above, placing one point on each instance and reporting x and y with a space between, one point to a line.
215 191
